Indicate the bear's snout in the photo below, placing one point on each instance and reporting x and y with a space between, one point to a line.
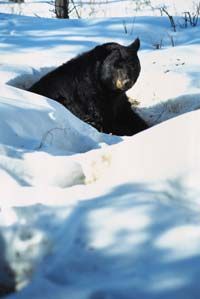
123 84
127 83
123 80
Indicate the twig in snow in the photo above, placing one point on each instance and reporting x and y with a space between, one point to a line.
171 19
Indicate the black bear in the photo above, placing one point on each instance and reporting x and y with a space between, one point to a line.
93 87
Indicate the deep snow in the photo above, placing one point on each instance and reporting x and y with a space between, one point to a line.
86 215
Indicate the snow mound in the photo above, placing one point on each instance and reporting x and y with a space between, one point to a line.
171 108
34 128
35 122
143 211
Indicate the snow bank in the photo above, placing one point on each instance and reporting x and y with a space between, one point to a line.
34 129
143 212
32 122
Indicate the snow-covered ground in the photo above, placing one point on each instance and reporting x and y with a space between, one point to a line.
85 215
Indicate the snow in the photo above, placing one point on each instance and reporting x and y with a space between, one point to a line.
89 215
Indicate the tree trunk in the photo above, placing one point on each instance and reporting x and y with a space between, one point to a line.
62 9
17 1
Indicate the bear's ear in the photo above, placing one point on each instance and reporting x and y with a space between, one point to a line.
135 45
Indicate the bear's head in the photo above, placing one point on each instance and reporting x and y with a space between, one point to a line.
120 67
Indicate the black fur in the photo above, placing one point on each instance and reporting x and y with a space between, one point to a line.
93 86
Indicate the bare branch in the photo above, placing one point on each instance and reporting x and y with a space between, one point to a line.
171 19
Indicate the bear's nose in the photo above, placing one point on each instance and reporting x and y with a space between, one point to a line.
126 83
